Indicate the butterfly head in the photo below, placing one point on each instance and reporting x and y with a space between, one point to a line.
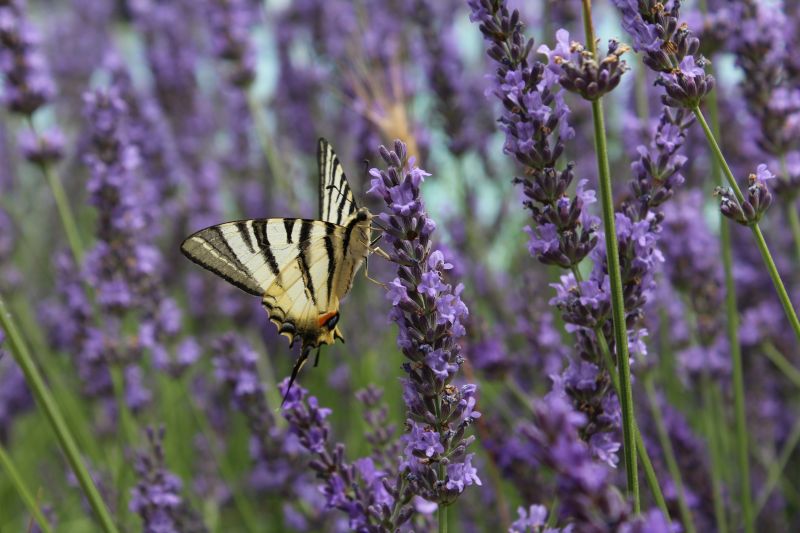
363 214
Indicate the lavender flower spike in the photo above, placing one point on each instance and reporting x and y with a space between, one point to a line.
27 84
156 497
430 314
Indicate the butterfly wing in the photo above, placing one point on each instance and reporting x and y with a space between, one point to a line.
294 265
336 202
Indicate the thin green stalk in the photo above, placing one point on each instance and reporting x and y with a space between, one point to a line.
783 364
37 385
794 225
441 515
641 450
241 503
776 469
791 212
615 277
733 323
714 448
63 207
760 242
669 454
22 490
274 162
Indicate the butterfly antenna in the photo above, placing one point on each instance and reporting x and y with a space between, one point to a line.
297 366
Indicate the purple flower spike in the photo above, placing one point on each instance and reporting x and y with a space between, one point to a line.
156 498
27 82
430 315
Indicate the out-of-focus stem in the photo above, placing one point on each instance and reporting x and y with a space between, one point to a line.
776 469
241 503
784 365
62 205
615 278
669 454
791 212
732 323
715 452
22 490
33 378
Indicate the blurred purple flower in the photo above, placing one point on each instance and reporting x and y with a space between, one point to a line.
15 398
27 82
156 498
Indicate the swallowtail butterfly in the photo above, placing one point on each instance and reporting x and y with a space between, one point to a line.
300 268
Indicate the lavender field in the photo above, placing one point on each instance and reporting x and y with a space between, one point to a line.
572 230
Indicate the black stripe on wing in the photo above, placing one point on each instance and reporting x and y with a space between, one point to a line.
336 201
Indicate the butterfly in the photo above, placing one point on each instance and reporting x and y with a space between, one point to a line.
301 268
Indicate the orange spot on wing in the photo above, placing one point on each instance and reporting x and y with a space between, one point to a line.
325 317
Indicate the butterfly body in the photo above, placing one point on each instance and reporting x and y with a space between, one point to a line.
301 268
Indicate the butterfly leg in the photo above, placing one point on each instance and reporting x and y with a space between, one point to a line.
366 274
380 252
297 366
316 359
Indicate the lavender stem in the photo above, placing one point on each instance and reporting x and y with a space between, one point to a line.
711 422
784 365
777 468
641 450
762 244
731 325
22 490
791 212
669 454
45 400
615 278
62 204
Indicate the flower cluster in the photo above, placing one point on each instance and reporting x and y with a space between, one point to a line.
278 463
754 205
430 314
156 498
27 82
565 233
360 489
669 48
657 171
580 72
230 22
588 500
769 89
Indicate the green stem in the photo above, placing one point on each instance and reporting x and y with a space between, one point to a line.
760 242
669 454
617 303
732 323
794 225
783 364
777 468
63 207
641 450
615 277
791 211
441 515
226 470
22 490
714 448
37 385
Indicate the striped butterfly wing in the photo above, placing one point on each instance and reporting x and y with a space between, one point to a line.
336 202
291 263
